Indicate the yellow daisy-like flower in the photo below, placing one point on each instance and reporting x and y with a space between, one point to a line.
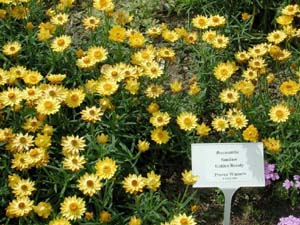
271 144
11 48
74 98
19 207
143 146
279 113
61 43
133 184
56 78
32 77
132 85
238 120
220 41
229 96
183 219
241 56
209 36
91 114
59 221
216 21
250 74
187 121
104 216
276 36
97 53
176 86
72 145
136 40
257 63
220 124
59 19
107 87
74 163
89 184
11 97
23 188
225 70
48 106
170 35
122 17
203 130
32 124
106 168
113 73
117 34
246 87
86 62
20 161
102 138
90 22
153 70
201 22
154 91
135 221
103 5
21 142
160 136
72 207
191 38
153 31
290 10
250 133
43 209
153 107
159 119
188 178
152 181
289 88
284 20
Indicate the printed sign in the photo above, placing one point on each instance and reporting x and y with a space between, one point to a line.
228 165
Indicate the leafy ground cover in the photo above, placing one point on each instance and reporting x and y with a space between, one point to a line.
101 100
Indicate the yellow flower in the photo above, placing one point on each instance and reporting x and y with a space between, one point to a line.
113 73
220 124
74 98
216 21
191 38
74 162
42 141
132 85
159 119
225 70
21 142
135 221
183 219
203 130
220 42
257 63
271 144
160 136
103 5
59 19
102 138
194 89
246 87
170 35
19 12
289 88
97 53
104 217
238 120
153 31
136 40
107 87
48 106
201 22
209 36
153 70
143 146
90 22
153 107
241 56
86 62
276 36
258 50
250 74
89 184
154 91
121 17
166 54
23 188
176 86
11 48
106 168
229 96
19 207
72 207
59 221
188 178
117 33
133 184
32 77
187 121
279 113
43 209
91 114
250 133
245 16
284 20
290 10
152 181
61 43
72 145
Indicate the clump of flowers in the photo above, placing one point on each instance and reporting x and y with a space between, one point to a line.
270 173
290 220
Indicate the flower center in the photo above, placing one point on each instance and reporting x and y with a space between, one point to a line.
74 98
279 113
24 187
21 205
61 42
90 183
107 87
48 105
134 183
73 206
11 95
183 221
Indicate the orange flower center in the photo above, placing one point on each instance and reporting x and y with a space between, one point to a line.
48 105
229 95
12 48
60 42
74 161
31 92
74 97
153 70
279 113
183 221
33 152
134 183
90 183
224 72
11 95
86 60
73 206
74 143
24 187
21 205
107 87
23 140
187 121
106 169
